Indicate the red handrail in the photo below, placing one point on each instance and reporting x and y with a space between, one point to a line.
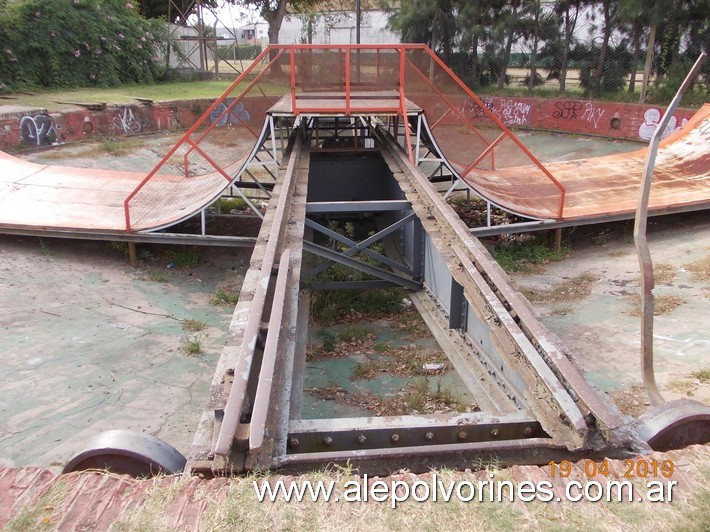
187 134
493 117
400 109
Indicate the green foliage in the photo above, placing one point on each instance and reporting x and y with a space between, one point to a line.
54 43
188 257
328 307
524 256
237 52
225 296
617 65
228 205
193 347
352 333
664 88
193 325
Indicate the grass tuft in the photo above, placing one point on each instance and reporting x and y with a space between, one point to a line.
700 269
193 347
225 296
574 289
193 325
527 257
662 304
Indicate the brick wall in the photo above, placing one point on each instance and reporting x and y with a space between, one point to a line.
34 128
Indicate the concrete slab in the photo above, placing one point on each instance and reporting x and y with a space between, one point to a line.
601 330
90 344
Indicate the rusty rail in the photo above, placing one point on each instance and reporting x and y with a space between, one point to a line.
238 390
642 250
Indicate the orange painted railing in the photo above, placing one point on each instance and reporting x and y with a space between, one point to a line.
371 79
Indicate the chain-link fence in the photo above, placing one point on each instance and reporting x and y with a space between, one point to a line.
621 50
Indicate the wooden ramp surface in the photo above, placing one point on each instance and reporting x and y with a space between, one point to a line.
608 186
35 196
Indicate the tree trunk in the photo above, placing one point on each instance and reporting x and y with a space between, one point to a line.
570 23
474 61
533 54
432 63
649 63
635 58
508 48
605 46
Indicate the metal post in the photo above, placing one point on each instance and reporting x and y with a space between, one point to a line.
642 250
273 144
357 21
132 255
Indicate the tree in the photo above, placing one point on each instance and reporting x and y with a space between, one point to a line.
610 8
477 20
568 13
274 11
433 22
512 28
647 15
174 10
109 44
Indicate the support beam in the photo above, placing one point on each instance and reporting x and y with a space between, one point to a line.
363 246
360 266
338 207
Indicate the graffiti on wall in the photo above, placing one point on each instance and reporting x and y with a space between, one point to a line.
236 115
567 110
576 110
39 130
508 111
592 114
125 122
514 113
651 119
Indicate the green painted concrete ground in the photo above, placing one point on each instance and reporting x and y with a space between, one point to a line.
88 343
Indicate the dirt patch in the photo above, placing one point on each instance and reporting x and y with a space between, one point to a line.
664 273
574 289
631 401
700 269
418 397
404 361
91 344
662 304
474 212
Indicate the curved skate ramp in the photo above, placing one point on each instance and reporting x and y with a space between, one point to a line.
608 186
86 199
388 81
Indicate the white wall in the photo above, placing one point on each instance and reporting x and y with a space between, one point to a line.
340 29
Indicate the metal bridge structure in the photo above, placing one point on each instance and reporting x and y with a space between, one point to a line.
368 134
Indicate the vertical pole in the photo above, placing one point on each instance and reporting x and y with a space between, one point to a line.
419 130
347 81
201 36
357 21
273 144
642 250
558 239
132 255
292 61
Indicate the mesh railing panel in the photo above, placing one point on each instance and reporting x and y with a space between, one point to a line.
202 164
204 161
481 149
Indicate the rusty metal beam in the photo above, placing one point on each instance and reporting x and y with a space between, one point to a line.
238 389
